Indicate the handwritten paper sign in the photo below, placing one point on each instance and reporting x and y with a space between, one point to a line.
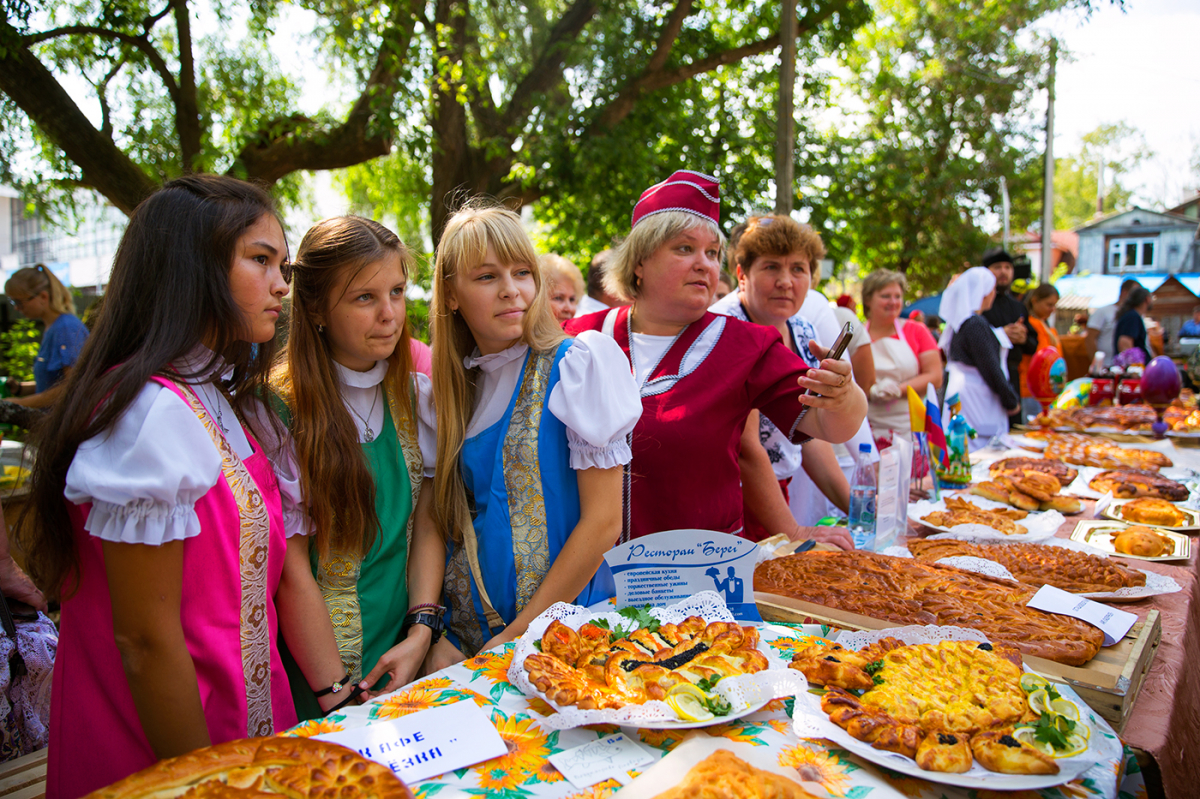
427 743
1112 622
669 567
597 761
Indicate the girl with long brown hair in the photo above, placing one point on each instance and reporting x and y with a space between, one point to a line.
171 553
361 425
531 437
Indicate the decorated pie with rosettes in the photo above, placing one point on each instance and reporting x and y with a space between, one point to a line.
596 668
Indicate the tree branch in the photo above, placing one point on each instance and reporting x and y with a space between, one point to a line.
142 43
152 20
361 137
104 166
546 70
187 109
102 96
670 32
655 77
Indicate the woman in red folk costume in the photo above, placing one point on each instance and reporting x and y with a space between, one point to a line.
700 374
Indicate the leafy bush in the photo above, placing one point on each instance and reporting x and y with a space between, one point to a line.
19 348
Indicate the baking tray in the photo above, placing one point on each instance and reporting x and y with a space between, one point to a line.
1099 533
1109 682
1113 512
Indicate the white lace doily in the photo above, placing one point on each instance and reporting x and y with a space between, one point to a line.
969 563
743 692
1155 583
809 721
1040 526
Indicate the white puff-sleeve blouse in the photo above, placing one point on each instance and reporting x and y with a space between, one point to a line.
145 474
595 398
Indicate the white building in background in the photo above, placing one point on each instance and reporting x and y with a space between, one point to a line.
81 256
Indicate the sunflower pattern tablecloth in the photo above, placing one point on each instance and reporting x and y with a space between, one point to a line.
526 772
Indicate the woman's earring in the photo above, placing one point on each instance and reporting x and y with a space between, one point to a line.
320 328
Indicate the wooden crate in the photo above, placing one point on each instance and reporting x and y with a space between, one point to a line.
1109 682
25 777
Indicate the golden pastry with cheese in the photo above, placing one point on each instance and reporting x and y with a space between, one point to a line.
931 701
999 751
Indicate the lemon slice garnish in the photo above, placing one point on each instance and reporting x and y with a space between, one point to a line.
1032 682
688 689
1065 707
688 707
1076 744
1039 701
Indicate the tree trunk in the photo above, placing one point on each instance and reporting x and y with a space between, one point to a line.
104 166
451 151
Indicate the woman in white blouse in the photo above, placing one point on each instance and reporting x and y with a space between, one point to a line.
362 425
169 553
531 436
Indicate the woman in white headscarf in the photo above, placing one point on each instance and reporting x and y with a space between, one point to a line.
977 355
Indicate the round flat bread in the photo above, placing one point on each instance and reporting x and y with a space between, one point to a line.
253 768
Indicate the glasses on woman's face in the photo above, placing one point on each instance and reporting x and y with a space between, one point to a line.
18 303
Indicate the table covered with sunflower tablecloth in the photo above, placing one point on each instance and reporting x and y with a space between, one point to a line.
525 771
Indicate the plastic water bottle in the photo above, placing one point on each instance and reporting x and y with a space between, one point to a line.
862 501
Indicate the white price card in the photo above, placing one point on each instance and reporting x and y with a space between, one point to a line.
427 743
607 758
1112 622
665 568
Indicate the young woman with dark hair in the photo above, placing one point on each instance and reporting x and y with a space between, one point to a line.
169 553
1131 322
361 420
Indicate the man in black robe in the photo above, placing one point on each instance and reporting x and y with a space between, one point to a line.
1009 313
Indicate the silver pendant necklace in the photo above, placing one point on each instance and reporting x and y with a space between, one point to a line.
368 433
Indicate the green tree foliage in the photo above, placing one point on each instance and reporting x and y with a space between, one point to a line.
940 96
1119 148
512 100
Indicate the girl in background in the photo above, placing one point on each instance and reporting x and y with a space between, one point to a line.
531 437
1040 303
361 422
39 295
170 552
565 283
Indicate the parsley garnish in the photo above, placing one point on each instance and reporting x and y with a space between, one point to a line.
642 616
877 679
706 684
718 706
537 643
873 667
639 616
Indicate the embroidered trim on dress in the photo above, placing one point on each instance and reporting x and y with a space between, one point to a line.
338 581
523 479
254 541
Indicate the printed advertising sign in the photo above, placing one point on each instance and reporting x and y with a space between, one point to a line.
665 568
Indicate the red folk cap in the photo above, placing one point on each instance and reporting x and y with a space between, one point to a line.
687 191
